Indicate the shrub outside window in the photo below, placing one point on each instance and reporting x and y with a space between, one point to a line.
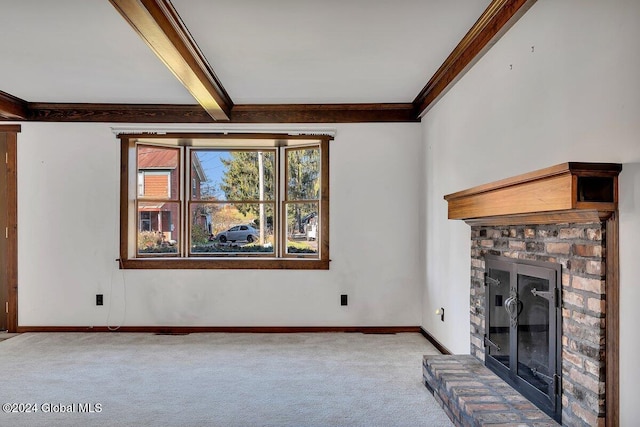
224 201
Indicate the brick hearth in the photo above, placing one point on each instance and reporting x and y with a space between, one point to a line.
472 395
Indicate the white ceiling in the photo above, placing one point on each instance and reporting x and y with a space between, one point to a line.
263 51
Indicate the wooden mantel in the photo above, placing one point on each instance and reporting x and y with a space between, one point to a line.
568 192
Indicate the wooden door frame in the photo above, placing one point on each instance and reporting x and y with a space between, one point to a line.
11 132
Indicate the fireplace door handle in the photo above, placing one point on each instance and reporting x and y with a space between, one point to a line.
513 306
544 294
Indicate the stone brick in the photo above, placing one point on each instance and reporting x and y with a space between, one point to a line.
494 418
580 332
544 233
571 233
529 233
595 267
587 416
486 243
572 298
577 266
515 233
566 280
486 407
575 359
593 322
594 233
501 244
597 305
494 234
476 341
478 263
594 251
533 415
590 285
517 245
582 348
535 247
558 248
476 320
587 381
593 368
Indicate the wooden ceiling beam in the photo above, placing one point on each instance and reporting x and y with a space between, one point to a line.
323 113
496 20
12 107
160 26
263 113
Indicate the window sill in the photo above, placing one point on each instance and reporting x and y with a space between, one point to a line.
223 264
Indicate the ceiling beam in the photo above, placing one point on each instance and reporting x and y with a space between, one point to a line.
263 113
496 20
12 107
160 26
323 113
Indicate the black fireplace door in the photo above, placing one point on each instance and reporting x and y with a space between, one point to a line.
522 328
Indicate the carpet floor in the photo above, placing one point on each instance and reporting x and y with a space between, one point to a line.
227 380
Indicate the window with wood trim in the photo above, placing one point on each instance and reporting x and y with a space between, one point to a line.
220 201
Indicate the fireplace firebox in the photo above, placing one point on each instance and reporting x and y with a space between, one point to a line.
523 328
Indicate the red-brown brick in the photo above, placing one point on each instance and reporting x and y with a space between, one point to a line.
558 248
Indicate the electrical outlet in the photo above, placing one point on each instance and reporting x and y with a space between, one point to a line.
343 300
99 299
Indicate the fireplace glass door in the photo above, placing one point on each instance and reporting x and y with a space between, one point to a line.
523 328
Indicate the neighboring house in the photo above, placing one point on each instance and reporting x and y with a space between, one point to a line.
157 180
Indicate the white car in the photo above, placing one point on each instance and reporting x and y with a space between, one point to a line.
239 233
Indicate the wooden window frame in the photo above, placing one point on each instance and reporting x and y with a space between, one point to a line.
130 260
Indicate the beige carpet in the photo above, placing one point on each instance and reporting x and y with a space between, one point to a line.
309 379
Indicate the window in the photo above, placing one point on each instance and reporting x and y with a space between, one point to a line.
224 201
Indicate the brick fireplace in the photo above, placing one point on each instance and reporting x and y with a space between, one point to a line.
566 215
579 249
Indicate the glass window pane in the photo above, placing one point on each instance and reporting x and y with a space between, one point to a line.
158 227
303 174
158 172
533 333
221 228
232 175
302 228
499 320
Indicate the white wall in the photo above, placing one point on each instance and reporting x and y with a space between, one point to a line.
575 97
68 186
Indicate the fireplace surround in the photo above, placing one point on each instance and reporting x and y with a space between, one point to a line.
566 217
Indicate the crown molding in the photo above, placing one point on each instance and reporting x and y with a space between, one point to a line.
496 20
12 107
263 113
